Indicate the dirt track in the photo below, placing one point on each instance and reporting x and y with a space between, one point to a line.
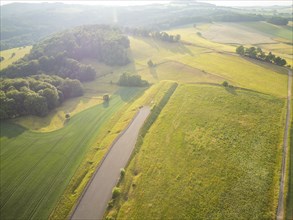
93 202
280 210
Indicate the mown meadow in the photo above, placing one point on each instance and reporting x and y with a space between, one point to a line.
212 154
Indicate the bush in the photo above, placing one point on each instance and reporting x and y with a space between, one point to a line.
106 97
122 173
116 192
67 115
225 84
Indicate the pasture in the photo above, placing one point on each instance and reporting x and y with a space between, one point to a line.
211 154
279 33
13 55
36 167
233 33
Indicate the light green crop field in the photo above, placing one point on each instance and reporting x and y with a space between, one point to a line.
36 167
9 58
212 154
278 32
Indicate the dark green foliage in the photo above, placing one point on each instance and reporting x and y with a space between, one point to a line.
67 115
144 32
116 192
1 59
106 97
278 21
132 80
60 54
227 16
225 84
240 50
257 53
150 63
35 95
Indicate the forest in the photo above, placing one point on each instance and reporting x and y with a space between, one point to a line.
52 71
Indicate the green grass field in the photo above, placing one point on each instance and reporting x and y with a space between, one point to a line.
289 208
47 162
212 154
9 58
283 32
36 167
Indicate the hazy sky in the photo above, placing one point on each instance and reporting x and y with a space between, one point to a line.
122 2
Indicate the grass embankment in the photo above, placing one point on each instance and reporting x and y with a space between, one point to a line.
90 162
13 55
289 202
37 167
211 154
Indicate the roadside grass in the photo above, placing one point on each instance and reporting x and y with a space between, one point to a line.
211 154
280 33
36 167
114 126
289 201
9 59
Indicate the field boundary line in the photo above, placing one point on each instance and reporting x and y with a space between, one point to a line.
280 209
99 166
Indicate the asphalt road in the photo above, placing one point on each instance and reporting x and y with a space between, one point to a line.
280 210
94 200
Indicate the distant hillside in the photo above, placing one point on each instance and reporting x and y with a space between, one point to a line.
26 23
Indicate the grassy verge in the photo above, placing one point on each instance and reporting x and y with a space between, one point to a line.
289 202
99 149
211 154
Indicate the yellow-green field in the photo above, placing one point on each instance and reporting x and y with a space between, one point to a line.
9 58
212 154
194 148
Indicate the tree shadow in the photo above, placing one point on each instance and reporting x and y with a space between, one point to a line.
106 104
10 130
231 89
127 94
153 72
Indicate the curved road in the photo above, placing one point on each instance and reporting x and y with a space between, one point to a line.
280 210
94 199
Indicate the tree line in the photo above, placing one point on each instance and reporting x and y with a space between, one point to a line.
257 53
52 71
61 54
132 80
145 32
35 95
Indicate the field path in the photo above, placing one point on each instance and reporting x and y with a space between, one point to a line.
280 210
93 201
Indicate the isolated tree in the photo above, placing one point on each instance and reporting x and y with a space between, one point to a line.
225 84
106 97
150 63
